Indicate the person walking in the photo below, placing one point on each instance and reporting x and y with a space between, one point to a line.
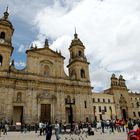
57 131
111 126
36 127
40 128
95 125
65 127
6 128
60 127
130 125
48 131
102 125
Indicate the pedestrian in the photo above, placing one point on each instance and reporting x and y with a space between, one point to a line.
102 125
6 128
95 125
130 125
89 129
36 127
80 126
48 131
60 126
112 126
41 128
57 131
44 128
122 125
126 125
29 127
65 127
118 125
25 128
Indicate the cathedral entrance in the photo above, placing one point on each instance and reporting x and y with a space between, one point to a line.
17 114
45 113
123 107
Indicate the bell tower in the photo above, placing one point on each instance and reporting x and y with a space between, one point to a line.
6 49
78 65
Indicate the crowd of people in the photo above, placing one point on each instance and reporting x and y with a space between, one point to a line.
111 126
118 125
103 126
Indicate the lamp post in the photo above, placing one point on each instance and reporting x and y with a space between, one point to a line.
110 113
70 103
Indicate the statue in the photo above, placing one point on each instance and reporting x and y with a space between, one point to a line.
19 97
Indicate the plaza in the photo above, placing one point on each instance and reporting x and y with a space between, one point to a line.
33 136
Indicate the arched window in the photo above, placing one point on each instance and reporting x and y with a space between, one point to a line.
80 53
46 70
82 73
2 35
19 97
1 59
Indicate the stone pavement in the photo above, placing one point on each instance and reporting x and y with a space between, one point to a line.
33 136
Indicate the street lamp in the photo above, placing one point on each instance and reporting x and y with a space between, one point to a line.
70 102
110 113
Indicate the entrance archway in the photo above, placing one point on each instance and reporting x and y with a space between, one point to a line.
17 114
123 107
45 113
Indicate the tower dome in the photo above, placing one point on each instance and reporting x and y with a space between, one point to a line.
5 21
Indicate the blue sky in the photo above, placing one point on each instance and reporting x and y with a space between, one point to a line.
109 30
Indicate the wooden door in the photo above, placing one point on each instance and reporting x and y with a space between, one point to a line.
45 112
17 114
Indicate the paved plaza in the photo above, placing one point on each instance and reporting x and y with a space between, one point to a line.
33 136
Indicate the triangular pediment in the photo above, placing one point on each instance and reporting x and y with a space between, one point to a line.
45 51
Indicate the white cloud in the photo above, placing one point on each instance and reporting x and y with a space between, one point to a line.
20 64
109 30
21 48
62 44
27 10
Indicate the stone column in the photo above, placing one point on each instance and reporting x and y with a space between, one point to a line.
28 108
9 101
53 105
34 107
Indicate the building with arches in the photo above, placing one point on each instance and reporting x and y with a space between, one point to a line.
116 102
41 91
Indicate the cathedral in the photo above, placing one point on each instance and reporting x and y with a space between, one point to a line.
42 91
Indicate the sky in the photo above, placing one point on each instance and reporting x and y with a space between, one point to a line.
109 29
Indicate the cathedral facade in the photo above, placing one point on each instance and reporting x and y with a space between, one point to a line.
43 92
